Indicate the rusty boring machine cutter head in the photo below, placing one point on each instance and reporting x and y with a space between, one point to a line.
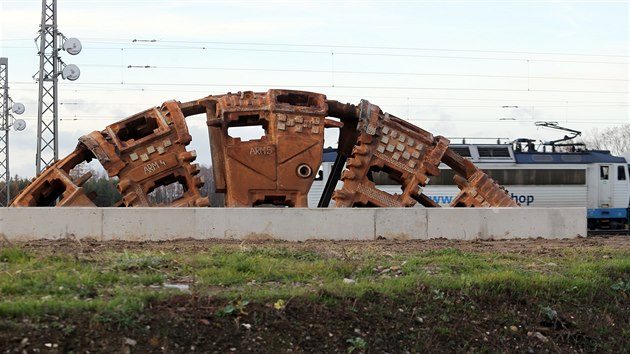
145 151
408 155
148 150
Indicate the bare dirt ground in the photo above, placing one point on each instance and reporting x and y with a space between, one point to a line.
538 246
458 323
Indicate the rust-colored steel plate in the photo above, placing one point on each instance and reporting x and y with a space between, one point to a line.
145 151
277 168
407 154
55 186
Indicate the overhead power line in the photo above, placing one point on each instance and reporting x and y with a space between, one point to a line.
523 102
161 47
348 72
502 89
402 48
79 118
157 46
324 45
578 104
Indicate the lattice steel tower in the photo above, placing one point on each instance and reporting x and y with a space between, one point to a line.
47 119
50 67
6 121
5 175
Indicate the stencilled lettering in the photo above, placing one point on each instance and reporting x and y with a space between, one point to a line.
261 150
153 166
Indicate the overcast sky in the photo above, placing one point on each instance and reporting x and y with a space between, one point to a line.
450 67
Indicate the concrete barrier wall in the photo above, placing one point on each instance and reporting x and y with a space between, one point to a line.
140 224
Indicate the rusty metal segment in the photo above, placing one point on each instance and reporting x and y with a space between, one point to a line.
480 191
387 144
54 186
147 151
279 167
461 165
408 155
477 189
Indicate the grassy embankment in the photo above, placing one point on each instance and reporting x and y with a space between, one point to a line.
570 287
33 284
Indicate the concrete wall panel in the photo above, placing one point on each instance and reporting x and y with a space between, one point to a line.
50 223
506 223
139 224
285 224
401 223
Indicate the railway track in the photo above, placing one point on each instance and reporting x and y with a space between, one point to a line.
616 232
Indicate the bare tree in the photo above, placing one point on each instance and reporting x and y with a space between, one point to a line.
615 139
207 190
168 193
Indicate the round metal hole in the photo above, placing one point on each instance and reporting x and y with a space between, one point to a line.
304 171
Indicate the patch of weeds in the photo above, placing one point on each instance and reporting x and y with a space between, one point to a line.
118 319
444 331
150 279
224 276
356 343
550 313
237 268
8 325
134 262
66 329
617 267
622 286
329 298
60 258
13 255
438 294
265 294
124 309
31 307
371 295
284 253
235 308
449 251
